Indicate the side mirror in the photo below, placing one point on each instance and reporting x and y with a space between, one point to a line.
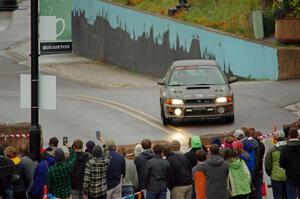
232 80
161 82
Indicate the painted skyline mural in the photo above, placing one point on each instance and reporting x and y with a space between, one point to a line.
148 44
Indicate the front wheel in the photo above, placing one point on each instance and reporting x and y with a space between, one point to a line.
166 121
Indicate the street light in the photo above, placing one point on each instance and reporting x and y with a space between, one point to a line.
35 131
6 13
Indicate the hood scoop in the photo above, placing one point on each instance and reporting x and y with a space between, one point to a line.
175 91
197 87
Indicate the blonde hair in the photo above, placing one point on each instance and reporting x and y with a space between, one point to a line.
11 152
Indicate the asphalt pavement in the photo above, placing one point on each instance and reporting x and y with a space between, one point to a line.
14 44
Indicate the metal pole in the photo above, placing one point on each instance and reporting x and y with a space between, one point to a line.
35 131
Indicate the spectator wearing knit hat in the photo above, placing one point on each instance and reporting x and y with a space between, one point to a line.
116 171
41 175
138 149
272 168
217 141
243 154
196 144
94 182
228 142
59 175
89 146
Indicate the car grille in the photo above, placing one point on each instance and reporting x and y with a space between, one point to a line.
198 101
199 112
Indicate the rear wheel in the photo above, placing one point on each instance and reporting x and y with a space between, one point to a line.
229 120
166 121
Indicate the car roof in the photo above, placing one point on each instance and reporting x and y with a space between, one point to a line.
195 62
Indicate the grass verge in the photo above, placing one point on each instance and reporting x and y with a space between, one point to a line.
229 15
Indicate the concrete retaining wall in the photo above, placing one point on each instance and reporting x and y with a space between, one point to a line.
147 43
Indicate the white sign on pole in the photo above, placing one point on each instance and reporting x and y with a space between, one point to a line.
47 91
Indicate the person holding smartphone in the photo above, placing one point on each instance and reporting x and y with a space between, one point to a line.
59 175
94 181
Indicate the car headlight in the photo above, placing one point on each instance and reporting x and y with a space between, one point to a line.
224 99
174 101
177 102
221 100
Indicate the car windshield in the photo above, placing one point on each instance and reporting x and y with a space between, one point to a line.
196 75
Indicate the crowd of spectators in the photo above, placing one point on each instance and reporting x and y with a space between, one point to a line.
231 167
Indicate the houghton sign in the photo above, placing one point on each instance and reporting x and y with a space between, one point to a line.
55 26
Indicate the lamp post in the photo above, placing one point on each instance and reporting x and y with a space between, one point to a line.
35 131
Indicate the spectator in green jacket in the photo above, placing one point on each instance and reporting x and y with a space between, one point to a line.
239 177
59 175
277 174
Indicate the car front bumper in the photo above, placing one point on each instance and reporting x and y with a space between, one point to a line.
200 111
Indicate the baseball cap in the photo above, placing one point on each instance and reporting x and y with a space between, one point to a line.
279 134
239 134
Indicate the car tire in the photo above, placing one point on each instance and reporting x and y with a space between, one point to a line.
230 119
166 121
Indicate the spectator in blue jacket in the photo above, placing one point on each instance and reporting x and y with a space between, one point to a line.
40 176
115 172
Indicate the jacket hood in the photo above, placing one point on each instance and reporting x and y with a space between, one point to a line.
50 148
248 145
294 143
97 151
236 163
215 160
82 156
280 144
50 160
148 154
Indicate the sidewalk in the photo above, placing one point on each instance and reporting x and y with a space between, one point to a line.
80 69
